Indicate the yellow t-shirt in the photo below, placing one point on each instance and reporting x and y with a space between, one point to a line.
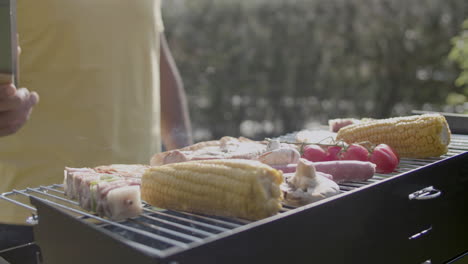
95 65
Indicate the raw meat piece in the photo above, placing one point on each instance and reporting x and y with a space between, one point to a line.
112 191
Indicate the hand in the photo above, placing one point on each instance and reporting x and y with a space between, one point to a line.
15 107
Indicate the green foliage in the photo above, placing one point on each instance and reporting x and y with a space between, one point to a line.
459 54
283 63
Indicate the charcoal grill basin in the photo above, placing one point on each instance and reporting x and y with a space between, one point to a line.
375 223
414 215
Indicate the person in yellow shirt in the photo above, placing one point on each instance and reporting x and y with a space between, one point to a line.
98 67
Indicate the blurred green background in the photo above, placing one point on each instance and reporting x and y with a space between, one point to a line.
263 68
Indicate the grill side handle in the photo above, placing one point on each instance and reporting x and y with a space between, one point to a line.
427 193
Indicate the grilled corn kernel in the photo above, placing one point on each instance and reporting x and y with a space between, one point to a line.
233 188
418 136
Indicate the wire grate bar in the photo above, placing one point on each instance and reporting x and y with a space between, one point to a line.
219 221
166 230
187 228
49 188
217 228
36 190
4 196
116 224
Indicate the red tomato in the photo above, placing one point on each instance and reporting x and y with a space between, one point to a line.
356 152
393 151
385 158
314 153
333 153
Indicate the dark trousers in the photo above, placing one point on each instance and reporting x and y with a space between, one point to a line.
15 235
15 244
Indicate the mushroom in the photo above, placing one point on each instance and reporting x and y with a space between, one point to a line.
273 144
307 185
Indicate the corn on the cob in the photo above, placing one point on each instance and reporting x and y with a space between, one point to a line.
418 136
227 187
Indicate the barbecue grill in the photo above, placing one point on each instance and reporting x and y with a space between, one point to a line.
414 215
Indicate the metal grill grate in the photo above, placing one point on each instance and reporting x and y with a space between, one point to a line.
165 232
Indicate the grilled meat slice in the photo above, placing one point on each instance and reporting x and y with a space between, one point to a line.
225 148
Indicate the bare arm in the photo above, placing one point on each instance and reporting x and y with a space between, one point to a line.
175 120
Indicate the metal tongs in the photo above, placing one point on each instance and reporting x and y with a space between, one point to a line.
8 42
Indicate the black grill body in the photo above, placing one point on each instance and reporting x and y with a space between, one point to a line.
376 223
